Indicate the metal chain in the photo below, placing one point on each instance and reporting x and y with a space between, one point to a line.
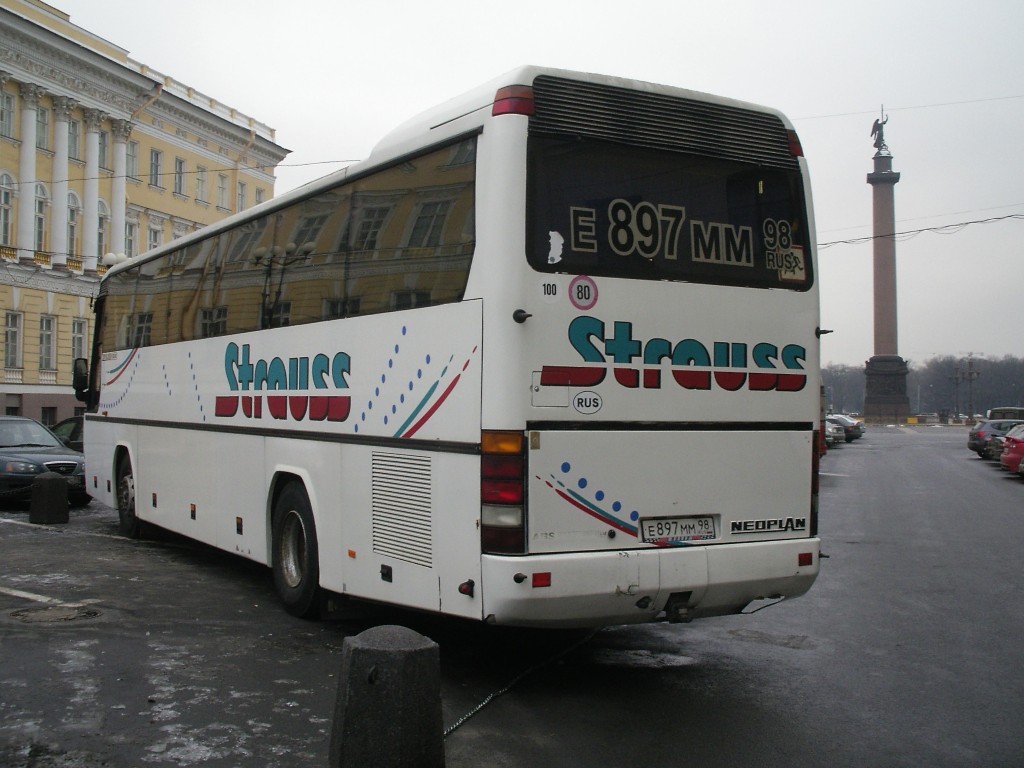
518 678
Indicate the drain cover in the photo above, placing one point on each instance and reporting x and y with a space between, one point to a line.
53 613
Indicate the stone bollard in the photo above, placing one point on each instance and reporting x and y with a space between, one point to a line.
388 710
49 499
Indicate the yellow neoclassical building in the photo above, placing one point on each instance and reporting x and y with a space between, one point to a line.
101 158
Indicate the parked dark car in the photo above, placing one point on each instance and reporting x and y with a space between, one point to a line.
851 427
70 432
982 432
27 449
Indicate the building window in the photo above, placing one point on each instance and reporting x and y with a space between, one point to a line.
74 212
47 345
410 299
39 241
42 128
309 229
131 239
6 202
241 196
12 340
74 140
334 308
104 143
213 322
259 195
280 314
426 232
7 115
201 193
369 228
104 227
48 415
79 334
222 191
244 239
139 329
156 167
156 236
179 176
131 168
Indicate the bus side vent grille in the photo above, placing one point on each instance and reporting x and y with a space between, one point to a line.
400 507
658 121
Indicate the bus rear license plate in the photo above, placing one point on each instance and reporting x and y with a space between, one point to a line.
668 529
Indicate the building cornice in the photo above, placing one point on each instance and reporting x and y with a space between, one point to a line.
37 278
34 54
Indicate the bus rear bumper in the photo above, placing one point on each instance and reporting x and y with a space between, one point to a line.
592 589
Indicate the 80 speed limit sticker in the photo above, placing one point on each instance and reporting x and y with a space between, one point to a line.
583 292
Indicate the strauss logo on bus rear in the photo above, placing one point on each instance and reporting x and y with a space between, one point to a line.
292 380
696 365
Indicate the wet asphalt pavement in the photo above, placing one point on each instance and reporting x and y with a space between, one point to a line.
162 652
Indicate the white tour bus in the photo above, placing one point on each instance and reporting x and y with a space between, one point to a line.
548 357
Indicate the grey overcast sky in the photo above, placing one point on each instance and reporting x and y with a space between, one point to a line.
333 76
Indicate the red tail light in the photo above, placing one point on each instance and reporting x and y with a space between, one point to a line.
513 100
502 492
795 148
501 479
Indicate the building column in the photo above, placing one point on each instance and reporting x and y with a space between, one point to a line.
60 248
91 204
25 240
122 130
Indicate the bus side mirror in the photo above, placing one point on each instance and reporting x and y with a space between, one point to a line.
80 379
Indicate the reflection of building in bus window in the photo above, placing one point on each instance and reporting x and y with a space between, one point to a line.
397 239
140 328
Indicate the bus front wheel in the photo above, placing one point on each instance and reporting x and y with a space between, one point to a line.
295 554
127 523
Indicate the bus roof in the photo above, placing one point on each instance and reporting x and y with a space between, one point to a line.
451 118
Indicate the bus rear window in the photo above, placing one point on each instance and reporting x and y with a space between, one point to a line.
604 208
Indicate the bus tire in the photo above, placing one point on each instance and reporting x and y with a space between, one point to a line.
296 559
127 523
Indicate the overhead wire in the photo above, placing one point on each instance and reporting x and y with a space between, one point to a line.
941 229
919 106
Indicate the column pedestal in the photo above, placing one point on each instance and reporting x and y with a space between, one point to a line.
885 395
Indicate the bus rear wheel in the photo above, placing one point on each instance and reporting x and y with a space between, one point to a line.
127 523
296 559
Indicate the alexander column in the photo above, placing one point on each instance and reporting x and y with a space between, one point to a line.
885 397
